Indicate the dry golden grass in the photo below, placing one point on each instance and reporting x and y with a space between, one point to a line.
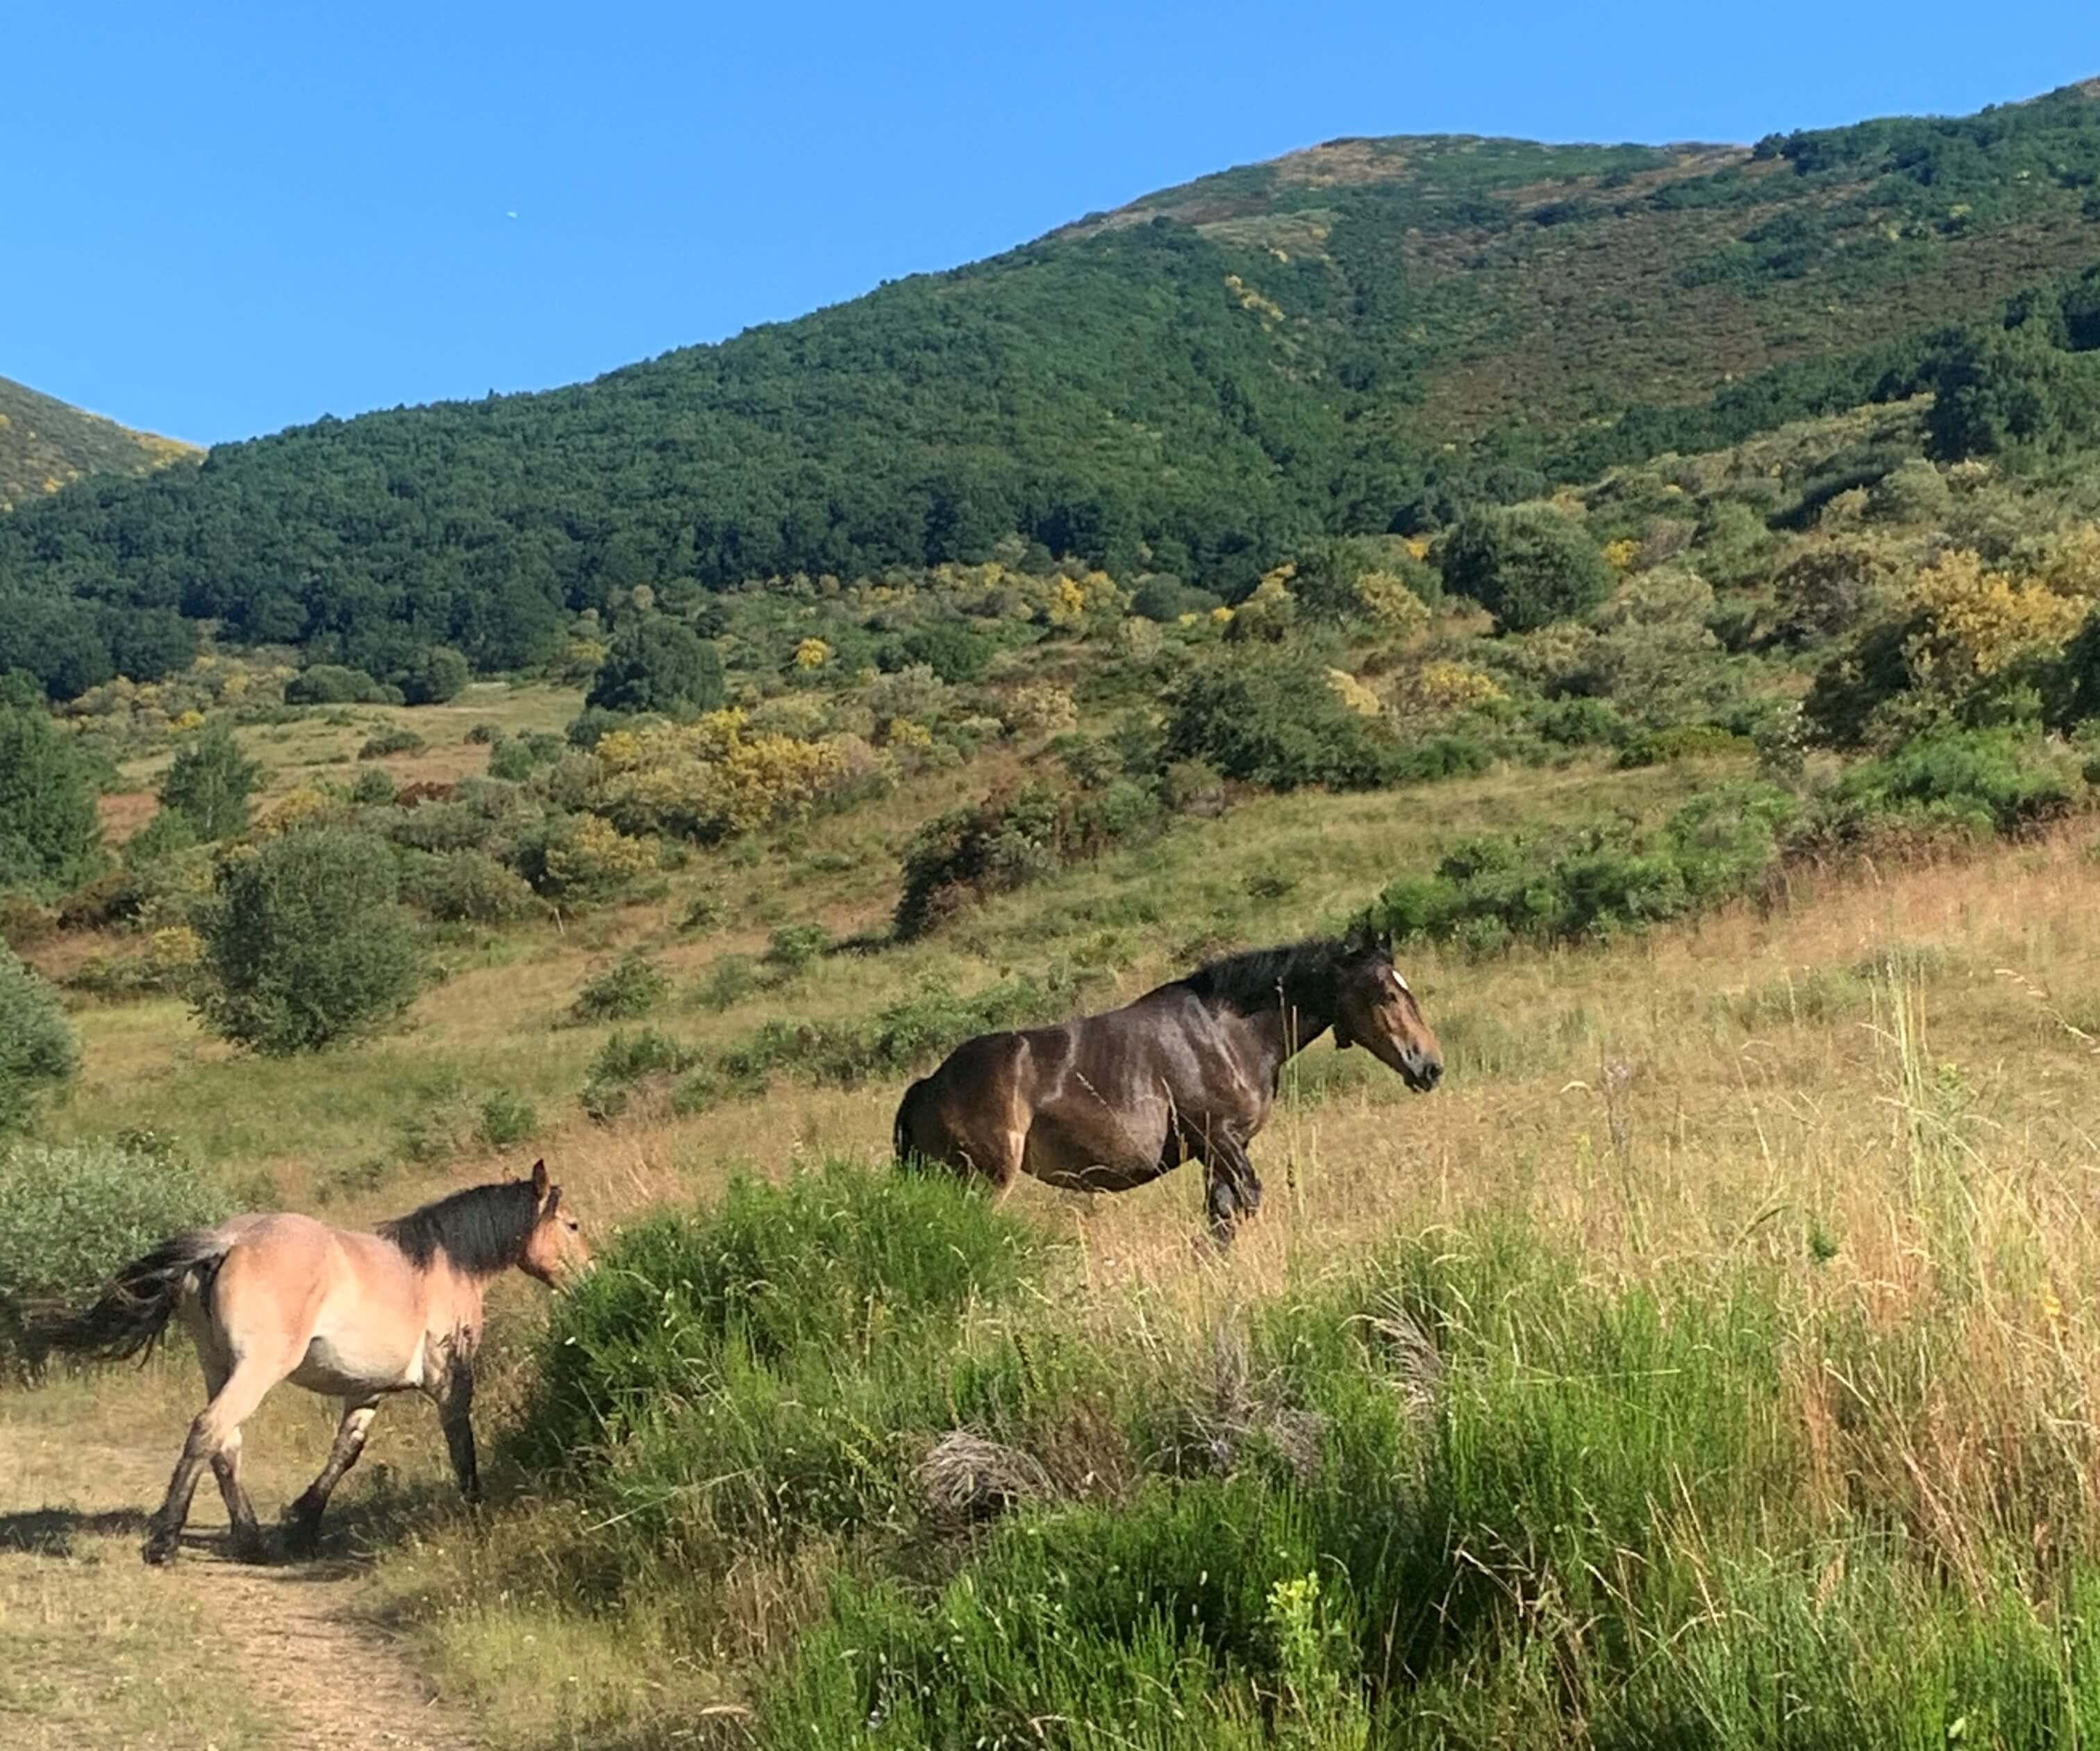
1887 1074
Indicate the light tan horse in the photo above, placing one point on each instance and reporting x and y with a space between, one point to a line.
351 1316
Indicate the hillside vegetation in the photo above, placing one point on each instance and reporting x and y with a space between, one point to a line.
1357 339
1708 1361
45 445
1710 1347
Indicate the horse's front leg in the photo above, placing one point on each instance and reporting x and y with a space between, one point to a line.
454 1412
302 1519
1234 1192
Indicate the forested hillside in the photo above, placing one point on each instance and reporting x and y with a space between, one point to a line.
1359 338
45 445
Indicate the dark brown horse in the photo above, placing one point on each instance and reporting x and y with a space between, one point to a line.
1187 1071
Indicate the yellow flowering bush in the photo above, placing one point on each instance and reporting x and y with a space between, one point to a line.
812 653
594 856
1041 708
1975 624
1443 688
1353 693
1391 603
709 779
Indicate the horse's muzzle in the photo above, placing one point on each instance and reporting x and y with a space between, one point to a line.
1421 1070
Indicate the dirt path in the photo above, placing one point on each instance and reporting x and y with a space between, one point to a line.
98 1651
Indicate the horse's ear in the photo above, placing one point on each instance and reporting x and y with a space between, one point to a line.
540 1181
553 1203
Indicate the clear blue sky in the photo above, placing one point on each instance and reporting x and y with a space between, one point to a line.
225 218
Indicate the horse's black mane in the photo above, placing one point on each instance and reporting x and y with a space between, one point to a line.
1249 981
481 1230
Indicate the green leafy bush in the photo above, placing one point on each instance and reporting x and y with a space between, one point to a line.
70 1214
795 948
658 664
1973 783
630 986
1006 840
1272 720
38 1052
437 674
506 1119
395 740
683 1305
1528 567
468 886
373 787
331 684
1599 881
306 942
625 1060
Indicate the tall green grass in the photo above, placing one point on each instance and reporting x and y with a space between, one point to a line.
1452 1490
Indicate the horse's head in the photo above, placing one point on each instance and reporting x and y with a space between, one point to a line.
1375 1009
555 1252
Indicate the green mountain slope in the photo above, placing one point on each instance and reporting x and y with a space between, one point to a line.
45 445
1355 337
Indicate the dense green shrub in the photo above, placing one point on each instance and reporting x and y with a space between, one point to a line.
625 1060
1970 783
70 1215
50 835
306 943
437 674
506 1119
658 664
1528 567
1598 881
1164 597
468 886
374 787
331 684
630 986
795 948
210 783
38 1052
1272 720
1008 839
952 649
394 739
683 1306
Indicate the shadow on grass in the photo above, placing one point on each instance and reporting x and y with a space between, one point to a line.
52 1532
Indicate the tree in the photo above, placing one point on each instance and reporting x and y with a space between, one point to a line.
658 664
210 785
1527 567
437 674
50 835
37 1050
1995 391
306 942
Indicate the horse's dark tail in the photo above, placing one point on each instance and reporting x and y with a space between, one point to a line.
900 1133
131 1314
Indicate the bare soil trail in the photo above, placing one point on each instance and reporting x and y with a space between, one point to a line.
98 1650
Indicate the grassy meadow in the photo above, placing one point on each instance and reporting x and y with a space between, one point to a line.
1707 1362
1710 1361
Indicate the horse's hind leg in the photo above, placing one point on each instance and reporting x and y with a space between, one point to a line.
248 1544
302 1519
217 1426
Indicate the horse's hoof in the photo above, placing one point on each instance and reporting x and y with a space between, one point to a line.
250 1547
159 1550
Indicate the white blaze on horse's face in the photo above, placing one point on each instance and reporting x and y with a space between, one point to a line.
1378 1011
